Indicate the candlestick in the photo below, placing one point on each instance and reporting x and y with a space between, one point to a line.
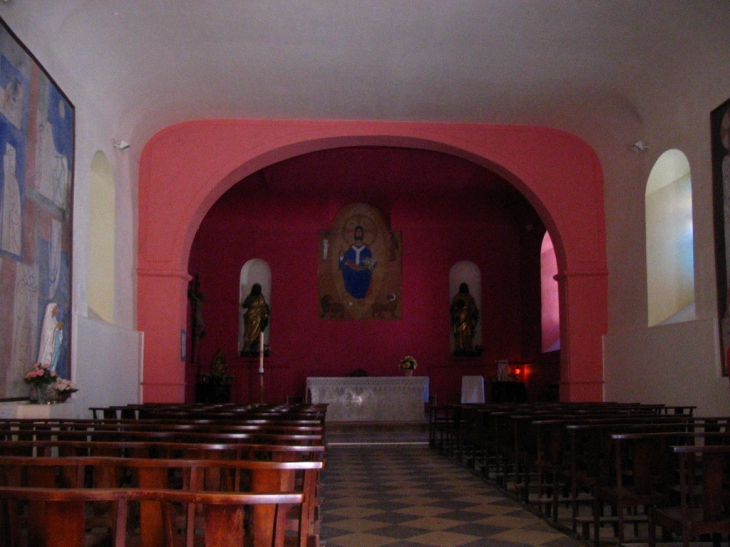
261 353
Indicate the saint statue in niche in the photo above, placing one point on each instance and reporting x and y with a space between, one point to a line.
464 319
255 319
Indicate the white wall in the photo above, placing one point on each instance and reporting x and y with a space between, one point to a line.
675 363
661 365
108 365
105 358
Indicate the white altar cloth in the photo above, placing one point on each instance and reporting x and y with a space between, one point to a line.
472 389
371 399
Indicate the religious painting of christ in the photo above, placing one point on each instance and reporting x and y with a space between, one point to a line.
360 267
357 266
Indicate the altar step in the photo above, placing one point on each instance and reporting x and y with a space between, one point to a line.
377 433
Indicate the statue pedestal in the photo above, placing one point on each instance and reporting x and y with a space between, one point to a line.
67 410
211 393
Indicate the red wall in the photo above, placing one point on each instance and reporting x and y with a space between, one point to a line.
185 168
276 215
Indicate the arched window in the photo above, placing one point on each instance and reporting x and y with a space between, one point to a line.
468 273
550 303
102 236
254 271
669 241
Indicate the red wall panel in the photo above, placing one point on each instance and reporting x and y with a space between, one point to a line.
258 219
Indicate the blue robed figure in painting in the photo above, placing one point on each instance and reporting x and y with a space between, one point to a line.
357 266
13 120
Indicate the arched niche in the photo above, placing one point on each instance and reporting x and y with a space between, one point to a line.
549 296
466 272
185 168
102 237
669 241
254 271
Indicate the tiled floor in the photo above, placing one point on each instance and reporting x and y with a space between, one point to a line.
407 495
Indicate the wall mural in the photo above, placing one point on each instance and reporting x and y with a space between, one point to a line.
720 127
360 267
36 189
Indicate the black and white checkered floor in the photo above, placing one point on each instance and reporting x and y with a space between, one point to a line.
407 495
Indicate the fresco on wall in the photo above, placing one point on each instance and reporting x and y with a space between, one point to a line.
720 127
360 267
36 185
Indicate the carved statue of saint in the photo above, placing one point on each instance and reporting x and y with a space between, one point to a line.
219 366
255 318
464 318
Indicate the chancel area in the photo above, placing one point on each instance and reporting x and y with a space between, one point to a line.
394 211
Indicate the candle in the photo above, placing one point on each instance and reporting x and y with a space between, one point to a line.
261 353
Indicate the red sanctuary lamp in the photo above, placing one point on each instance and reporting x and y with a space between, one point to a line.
519 371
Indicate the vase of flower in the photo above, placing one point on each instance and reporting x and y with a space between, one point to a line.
39 378
408 365
63 389
39 394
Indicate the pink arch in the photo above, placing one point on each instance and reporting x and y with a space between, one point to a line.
185 168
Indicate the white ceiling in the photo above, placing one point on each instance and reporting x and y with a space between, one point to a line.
579 65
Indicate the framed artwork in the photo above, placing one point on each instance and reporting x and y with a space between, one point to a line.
36 203
720 128
360 267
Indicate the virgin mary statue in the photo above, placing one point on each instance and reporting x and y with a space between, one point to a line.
49 349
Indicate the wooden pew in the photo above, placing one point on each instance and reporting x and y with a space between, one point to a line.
513 443
64 521
279 433
191 475
643 474
259 435
215 411
516 443
703 504
591 452
161 449
26 427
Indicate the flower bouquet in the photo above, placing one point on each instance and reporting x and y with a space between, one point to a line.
408 365
39 378
63 389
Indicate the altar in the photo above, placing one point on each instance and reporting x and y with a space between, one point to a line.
371 399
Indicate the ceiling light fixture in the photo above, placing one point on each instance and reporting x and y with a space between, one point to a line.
639 146
122 145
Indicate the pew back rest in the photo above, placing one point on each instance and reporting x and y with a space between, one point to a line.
224 522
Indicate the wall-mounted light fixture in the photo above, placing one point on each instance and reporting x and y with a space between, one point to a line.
122 145
639 146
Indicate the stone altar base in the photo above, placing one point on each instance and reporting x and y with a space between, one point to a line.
343 433
370 399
